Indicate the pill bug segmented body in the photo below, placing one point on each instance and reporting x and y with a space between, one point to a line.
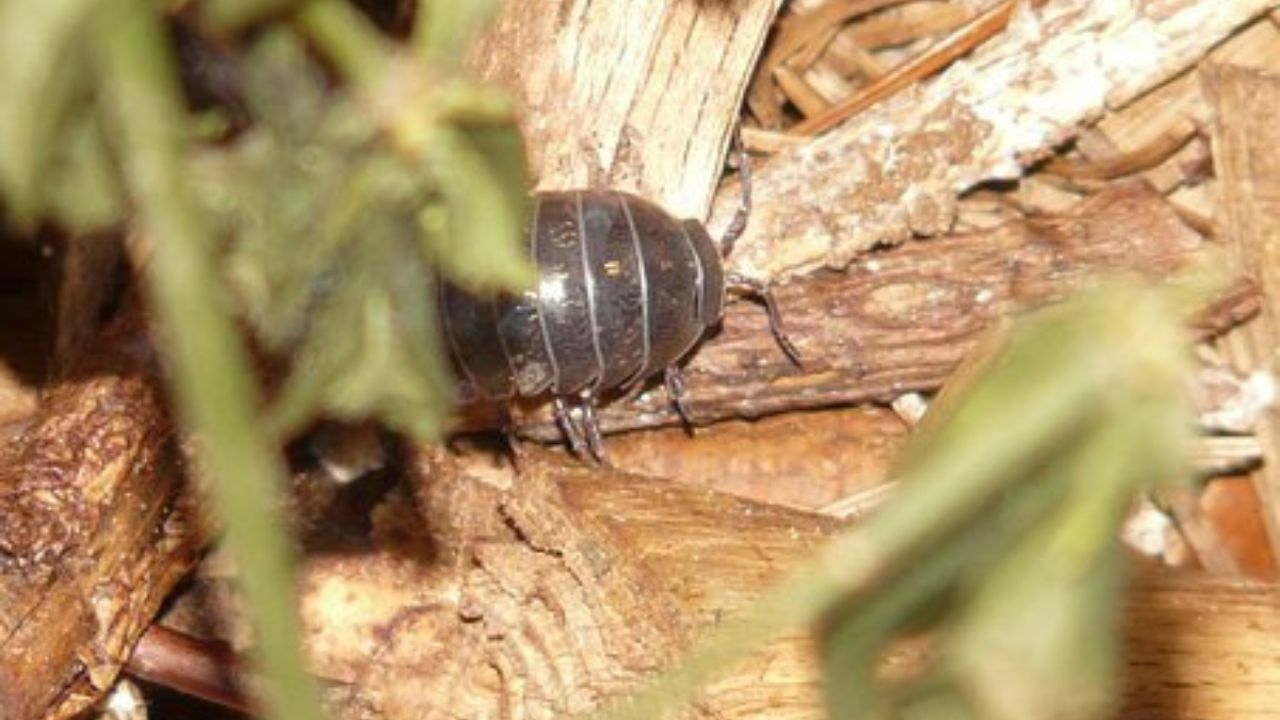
625 291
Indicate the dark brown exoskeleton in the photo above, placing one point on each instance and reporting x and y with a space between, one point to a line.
624 291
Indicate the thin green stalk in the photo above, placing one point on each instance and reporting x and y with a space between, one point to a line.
348 39
207 364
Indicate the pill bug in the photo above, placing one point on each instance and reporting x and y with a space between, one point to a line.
625 290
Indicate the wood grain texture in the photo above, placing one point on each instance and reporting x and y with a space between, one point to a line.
902 319
1202 647
545 596
638 100
94 532
1245 138
894 171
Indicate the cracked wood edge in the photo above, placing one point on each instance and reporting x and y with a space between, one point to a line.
612 97
895 171
902 320
95 529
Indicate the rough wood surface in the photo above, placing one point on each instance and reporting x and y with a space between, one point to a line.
94 531
542 597
902 319
895 171
1245 138
640 101
804 460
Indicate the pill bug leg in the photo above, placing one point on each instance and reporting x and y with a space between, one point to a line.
674 380
572 433
514 449
591 426
748 287
762 293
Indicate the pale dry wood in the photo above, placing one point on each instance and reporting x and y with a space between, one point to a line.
895 171
1171 109
545 595
1245 138
1202 647
902 319
614 97
94 531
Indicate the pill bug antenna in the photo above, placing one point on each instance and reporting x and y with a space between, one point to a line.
748 287
762 293
739 222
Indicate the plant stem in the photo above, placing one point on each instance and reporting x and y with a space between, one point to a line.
208 367
347 39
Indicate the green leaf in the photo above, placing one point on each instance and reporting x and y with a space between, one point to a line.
229 16
207 366
476 234
373 351
42 80
87 196
443 28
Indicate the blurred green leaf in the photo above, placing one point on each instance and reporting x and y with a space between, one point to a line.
228 16
476 234
1005 517
42 80
87 195
206 363
1018 592
443 28
327 251
373 350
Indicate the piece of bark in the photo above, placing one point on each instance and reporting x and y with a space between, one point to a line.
95 529
1245 137
643 102
803 460
902 319
894 171
550 595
